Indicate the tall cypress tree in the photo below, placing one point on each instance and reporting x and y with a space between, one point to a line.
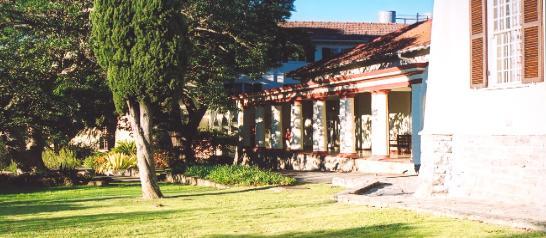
142 46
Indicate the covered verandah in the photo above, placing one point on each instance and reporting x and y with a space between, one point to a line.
344 123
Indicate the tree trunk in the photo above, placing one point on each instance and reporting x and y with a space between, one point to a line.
30 159
192 130
111 127
188 131
141 123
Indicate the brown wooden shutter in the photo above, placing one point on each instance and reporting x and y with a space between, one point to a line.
478 43
533 60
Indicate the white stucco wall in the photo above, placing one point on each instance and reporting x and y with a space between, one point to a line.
486 143
453 107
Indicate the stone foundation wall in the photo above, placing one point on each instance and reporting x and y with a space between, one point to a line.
298 161
509 169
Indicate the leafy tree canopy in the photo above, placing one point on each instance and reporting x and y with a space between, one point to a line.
231 38
49 81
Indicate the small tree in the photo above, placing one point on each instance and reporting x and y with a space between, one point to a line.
141 44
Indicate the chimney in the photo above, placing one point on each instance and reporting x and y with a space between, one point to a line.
387 17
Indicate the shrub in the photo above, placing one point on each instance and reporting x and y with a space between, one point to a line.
239 175
117 162
65 159
81 151
48 179
163 159
126 148
94 160
12 167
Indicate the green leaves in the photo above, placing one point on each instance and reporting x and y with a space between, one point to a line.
230 38
48 78
142 45
239 175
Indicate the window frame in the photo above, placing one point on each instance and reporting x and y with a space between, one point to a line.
491 37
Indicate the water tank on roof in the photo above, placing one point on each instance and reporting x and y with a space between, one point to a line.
387 16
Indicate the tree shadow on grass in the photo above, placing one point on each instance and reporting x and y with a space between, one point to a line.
8 227
220 192
25 190
49 205
388 230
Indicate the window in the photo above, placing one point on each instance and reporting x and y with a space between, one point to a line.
507 45
504 42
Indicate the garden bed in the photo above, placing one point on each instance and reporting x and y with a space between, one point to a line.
233 175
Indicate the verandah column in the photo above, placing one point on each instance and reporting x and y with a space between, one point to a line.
380 123
242 127
276 127
347 125
320 140
260 126
296 125
244 137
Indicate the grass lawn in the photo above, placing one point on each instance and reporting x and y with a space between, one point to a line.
304 211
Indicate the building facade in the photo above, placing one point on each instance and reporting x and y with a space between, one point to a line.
347 113
327 39
484 133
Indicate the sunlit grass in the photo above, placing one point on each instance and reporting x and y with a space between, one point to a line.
303 211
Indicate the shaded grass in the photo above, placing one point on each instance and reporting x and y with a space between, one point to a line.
117 211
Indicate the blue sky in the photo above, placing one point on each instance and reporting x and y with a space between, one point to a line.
355 10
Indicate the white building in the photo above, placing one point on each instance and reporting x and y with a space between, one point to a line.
484 133
328 39
353 112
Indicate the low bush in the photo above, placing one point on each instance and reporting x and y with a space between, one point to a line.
116 162
81 151
126 148
65 159
94 160
239 175
47 179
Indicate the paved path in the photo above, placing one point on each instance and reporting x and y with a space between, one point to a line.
398 192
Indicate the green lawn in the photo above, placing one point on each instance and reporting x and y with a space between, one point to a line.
304 211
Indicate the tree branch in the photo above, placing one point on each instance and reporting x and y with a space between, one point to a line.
225 33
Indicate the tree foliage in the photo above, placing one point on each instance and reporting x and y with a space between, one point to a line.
50 86
142 46
229 38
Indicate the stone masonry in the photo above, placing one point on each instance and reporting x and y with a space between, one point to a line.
505 168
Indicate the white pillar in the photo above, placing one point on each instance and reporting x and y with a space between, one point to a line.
242 128
347 130
380 123
260 127
296 125
320 140
276 127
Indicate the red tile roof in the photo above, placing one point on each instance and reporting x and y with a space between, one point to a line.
413 36
343 30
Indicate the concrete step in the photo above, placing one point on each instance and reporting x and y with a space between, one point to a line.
384 167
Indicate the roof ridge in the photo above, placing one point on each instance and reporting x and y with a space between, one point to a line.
346 22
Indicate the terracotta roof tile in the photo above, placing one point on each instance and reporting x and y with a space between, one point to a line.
413 36
343 30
